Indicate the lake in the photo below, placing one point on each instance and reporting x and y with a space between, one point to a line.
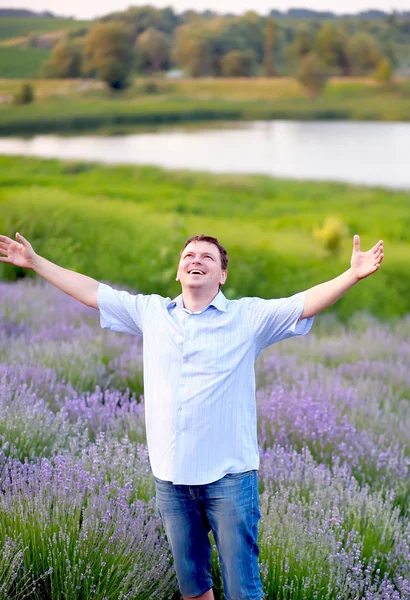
354 152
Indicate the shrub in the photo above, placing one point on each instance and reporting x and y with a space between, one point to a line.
149 87
25 95
331 233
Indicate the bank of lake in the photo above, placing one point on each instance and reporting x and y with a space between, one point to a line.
63 106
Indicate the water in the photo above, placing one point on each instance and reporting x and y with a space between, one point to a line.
354 152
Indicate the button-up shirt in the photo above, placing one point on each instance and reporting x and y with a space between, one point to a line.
199 376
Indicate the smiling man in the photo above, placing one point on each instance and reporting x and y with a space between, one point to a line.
199 387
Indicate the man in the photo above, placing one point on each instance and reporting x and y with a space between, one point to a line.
199 385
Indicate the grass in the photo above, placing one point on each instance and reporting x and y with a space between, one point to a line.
127 224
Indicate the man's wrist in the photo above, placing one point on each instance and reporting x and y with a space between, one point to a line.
35 263
352 277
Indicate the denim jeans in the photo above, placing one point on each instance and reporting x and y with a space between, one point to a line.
228 507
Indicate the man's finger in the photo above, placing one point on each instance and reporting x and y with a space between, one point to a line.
4 238
22 239
378 260
356 243
378 245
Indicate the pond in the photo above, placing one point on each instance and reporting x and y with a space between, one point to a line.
376 154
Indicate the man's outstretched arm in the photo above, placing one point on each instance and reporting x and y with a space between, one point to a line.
362 265
20 253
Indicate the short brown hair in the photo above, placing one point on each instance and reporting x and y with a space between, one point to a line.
211 240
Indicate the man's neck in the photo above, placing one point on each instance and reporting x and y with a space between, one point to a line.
196 300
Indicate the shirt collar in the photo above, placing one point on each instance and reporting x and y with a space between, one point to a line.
219 302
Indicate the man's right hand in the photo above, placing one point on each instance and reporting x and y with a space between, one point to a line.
19 253
82 288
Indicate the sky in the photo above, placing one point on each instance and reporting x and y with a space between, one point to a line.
87 9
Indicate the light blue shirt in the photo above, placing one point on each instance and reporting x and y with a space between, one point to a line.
199 376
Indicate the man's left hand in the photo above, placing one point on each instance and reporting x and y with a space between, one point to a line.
364 264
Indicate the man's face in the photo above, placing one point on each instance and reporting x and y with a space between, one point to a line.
200 267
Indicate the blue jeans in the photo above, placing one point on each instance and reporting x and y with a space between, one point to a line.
228 507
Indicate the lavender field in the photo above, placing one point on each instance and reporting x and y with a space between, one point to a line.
77 510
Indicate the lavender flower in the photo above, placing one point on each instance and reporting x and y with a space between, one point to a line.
77 515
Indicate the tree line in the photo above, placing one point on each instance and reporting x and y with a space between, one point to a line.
149 40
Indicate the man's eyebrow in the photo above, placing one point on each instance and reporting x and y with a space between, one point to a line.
207 252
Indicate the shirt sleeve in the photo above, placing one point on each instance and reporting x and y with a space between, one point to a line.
120 311
276 320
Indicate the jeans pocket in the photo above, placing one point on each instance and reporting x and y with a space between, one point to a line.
241 475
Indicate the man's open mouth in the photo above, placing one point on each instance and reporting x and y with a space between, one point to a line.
196 272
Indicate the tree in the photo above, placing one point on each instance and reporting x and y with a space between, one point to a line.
312 74
169 20
190 50
140 18
303 44
153 50
65 60
388 51
363 53
189 16
331 44
238 63
109 54
244 33
199 47
270 39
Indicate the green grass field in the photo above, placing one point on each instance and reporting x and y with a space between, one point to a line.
126 225
13 27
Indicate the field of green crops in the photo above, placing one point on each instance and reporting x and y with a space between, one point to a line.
22 62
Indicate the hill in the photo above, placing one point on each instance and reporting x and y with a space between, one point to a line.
23 12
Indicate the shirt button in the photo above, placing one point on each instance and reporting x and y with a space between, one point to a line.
180 408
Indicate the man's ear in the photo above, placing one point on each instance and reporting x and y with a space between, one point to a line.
224 275
177 278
